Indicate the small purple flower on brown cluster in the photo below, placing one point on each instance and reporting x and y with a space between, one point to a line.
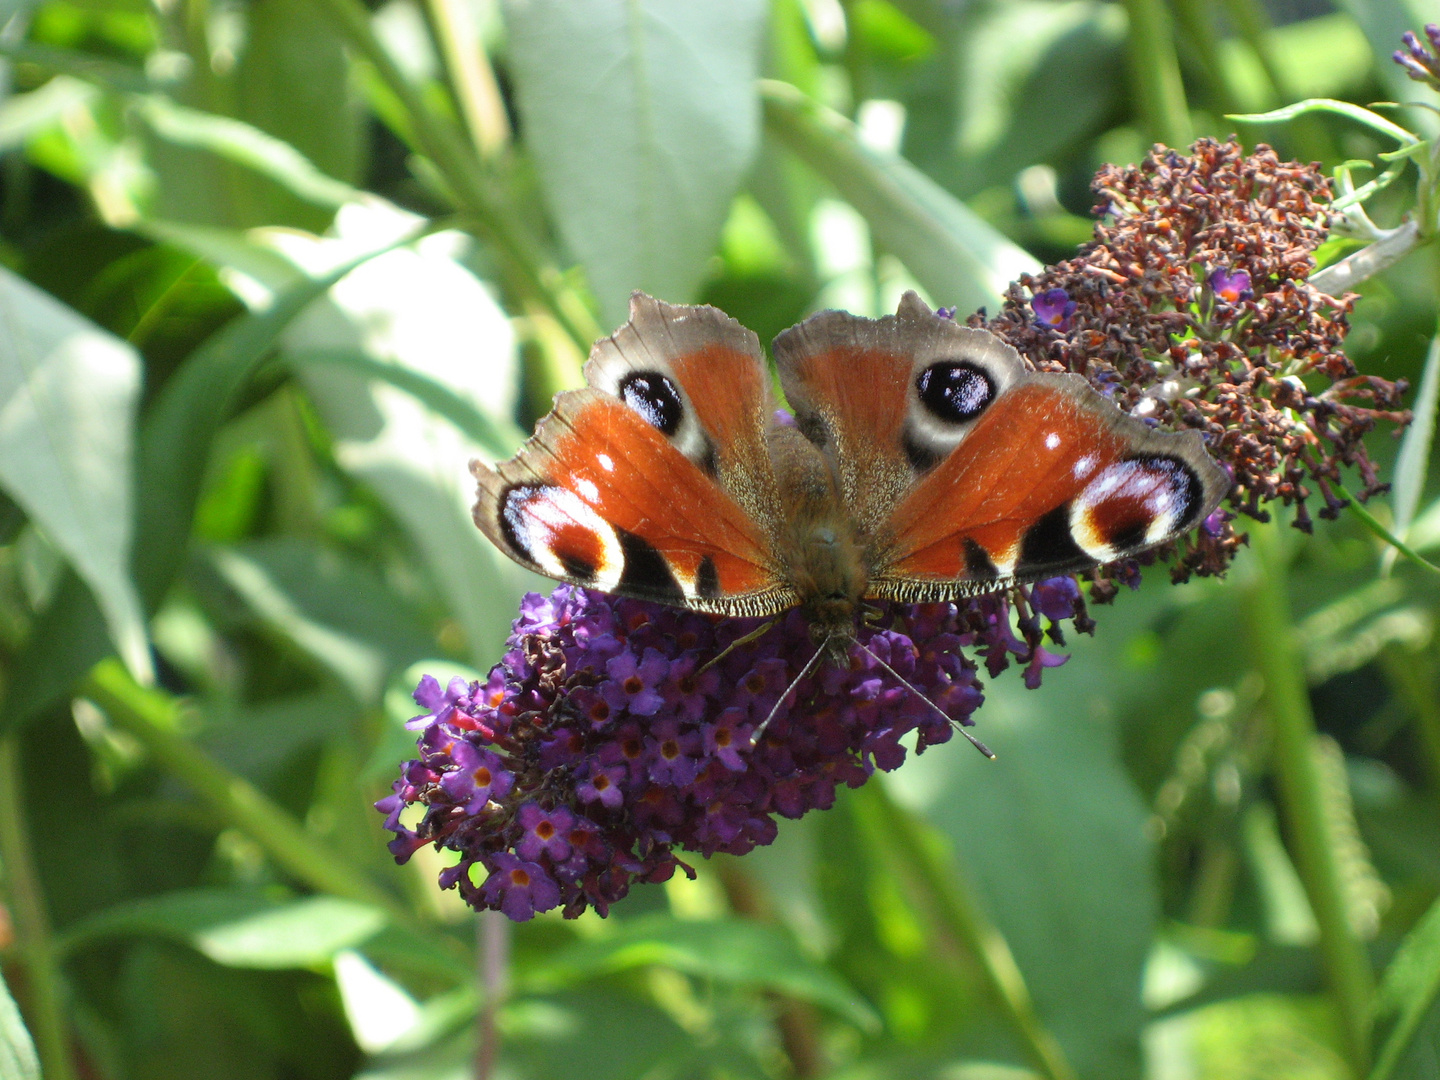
1191 309
1420 63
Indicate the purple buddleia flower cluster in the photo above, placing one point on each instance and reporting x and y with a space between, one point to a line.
615 734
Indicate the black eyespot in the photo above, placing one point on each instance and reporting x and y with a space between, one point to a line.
655 398
955 390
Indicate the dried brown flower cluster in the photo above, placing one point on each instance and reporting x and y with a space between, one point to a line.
1191 308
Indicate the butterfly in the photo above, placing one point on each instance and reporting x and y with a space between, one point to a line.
924 462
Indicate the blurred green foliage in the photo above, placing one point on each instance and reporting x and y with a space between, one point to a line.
272 271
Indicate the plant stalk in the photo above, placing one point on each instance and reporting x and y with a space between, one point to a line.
149 716
1155 72
1302 800
959 913
461 170
44 981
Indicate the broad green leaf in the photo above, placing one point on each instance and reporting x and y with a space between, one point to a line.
326 604
955 255
422 312
1051 835
181 425
68 394
1410 988
729 951
380 1011
17 1052
1033 80
498 436
642 118
245 145
173 449
238 929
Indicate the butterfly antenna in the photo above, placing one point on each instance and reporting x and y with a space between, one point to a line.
909 686
809 667
759 631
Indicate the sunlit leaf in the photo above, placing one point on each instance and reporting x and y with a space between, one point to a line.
245 145
238 928
642 119
68 394
729 951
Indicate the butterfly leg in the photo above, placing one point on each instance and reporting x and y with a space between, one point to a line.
758 632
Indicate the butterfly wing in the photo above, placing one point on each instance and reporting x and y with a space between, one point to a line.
653 481
965 470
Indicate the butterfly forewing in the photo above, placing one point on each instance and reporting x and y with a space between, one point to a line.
649 483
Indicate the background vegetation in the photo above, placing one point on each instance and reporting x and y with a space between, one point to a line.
274 270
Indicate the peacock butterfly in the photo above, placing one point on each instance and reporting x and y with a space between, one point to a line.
925 462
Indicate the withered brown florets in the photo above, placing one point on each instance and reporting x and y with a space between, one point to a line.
1260 374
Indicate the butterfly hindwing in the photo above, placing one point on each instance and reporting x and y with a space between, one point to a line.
647 483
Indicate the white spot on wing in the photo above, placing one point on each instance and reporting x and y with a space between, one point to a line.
1052 440
1155 489
539 520
1084 467
588 489
606 462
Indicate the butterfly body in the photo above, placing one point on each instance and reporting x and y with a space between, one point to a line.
924 462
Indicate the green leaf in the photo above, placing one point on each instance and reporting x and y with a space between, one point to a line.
496 435
181 425
68 395
17 1051
1372 523
238 929
642 118
329 606
1358 113
1413 460
175 441
23 116
1071 886
245 145
1410 987
954 254
729 951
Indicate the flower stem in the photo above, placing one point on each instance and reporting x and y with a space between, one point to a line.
27 904
463 174
1370 260
1302 798
1155 70
958 912
492 953
149 716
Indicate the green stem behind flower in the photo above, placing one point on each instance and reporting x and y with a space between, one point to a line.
148 715
1272 643
460 169
1155 69
958 914
27 902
